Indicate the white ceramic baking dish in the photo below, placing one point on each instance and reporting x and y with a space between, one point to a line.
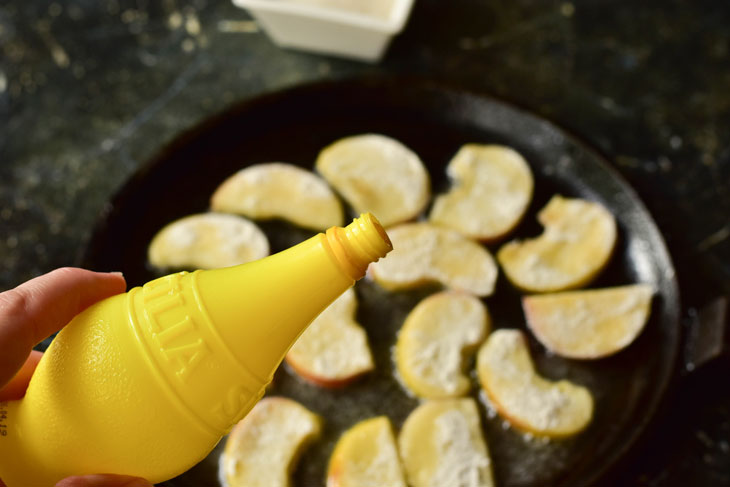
337 27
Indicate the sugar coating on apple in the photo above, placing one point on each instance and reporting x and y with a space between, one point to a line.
264 446
333 350
575 246
280 190
490 192
378 174
441 444
207 241
589 324
526 400
424 253
366 455
438 335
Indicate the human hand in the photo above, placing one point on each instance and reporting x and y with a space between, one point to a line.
35 310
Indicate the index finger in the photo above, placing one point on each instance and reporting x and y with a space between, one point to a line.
36 309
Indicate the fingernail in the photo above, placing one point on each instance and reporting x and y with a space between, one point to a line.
117 273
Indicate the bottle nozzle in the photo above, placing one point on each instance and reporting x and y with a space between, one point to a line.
358 244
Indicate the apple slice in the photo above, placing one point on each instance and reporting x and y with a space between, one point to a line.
263 448
366 456
437 335
577 243
491 190
441 444
207 241
522 397
279 190
333 350
589 324
423 253
378 174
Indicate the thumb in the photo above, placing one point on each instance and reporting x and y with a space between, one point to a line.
104 480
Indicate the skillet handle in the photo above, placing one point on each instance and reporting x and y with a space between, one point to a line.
708 335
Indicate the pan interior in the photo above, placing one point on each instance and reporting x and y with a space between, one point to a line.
434 121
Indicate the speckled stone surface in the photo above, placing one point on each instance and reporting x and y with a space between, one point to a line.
89 90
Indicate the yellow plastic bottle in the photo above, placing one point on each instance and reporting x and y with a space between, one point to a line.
147 382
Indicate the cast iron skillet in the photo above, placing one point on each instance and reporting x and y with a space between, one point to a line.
434 121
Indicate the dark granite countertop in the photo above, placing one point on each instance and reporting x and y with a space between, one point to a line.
89 90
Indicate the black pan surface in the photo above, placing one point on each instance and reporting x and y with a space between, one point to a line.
434 121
